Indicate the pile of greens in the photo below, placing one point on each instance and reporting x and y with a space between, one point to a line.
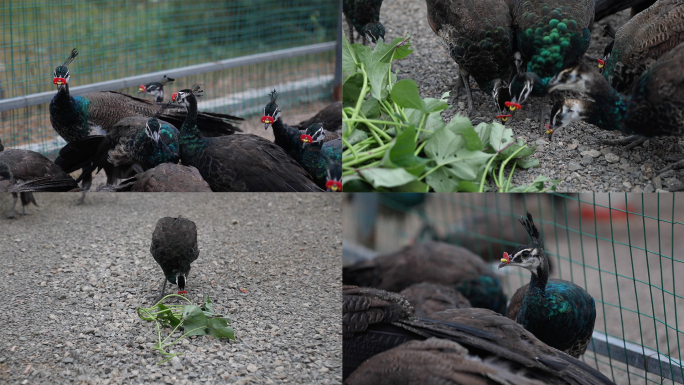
195 320
394 140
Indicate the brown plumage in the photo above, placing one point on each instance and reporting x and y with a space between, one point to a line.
431 262
475 346
427 298
365 306
28 171
167 177
642 40
330 116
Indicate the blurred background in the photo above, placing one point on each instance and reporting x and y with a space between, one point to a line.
626 250
117 40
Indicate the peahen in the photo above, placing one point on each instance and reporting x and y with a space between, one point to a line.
549 34
237 162
364 16
427 298
478 35
167 177
383 345
654 107
559 313
174 247
432 262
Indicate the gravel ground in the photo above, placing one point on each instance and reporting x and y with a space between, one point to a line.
77 273
626 305
575 156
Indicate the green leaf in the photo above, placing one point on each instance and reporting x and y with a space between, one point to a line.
167 316
194 320
435 105
467 186
349 64
377 77
433 123
405 94
383 177
464 128
483 131
449 150
527 162
500 137
443 181
401 153
354 183
351 89
402 49
208 307
218 327
415 186
370 108
357 136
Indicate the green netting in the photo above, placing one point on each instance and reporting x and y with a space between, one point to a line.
625 250
118 39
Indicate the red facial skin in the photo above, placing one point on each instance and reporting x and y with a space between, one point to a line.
306 138
333 183
601 63
182 292
59 81
174 96
512 106
267 119
506 258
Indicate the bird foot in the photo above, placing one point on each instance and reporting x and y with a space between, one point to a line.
11 216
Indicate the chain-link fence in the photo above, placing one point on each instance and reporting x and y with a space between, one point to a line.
238 49
625 250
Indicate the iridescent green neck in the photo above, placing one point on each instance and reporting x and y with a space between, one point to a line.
612 107
191 141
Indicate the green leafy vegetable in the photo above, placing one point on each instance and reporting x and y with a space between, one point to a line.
195 320
394 140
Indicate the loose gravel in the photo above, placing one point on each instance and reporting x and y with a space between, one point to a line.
74 276
575 156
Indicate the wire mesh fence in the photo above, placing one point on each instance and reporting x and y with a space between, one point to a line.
127 38
625 250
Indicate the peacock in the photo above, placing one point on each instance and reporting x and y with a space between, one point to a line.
550 33
559 313
167 177
382 345
641 41
237 162
364 16
432 262
317 155
156 89
654 107
174 247
478 35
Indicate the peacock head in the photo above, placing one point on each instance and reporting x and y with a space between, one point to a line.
181 283
530 256
334 182
567 111
271 111
520 89
578 77
155 89
315 134
501 95
61 74
374 31
152 130
184 96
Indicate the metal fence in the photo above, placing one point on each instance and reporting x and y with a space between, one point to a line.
238 49
624 249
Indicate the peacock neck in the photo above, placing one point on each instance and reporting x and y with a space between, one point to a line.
63 99
538 281
190 140
612 106
285 136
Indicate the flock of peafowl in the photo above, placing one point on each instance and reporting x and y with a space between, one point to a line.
434 312
158 146
515 49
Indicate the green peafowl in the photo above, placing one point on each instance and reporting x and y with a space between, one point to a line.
174 247
549 34
364 16
382 345
478 35
317 155
655 106
559 313
432 262
246 163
